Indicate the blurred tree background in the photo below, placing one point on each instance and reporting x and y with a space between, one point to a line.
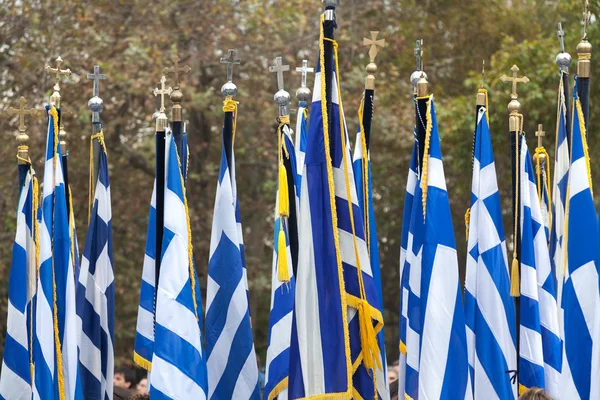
133 40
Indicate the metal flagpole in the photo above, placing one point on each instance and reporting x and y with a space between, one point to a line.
176 98
515 127
563 60
229 91
421 99
584 55
329 26
161 127
373 43
96 105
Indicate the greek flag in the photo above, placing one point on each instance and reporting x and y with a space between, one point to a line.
540 344
364 189
283 290
178 364
15 379
231 359
300 145
559 194
437 357
96 294
581 297
405 292
489 308
55 343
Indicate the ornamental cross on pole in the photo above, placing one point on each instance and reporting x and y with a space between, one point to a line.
22 112
58 72
175 70
279 69
419 53
96 77
161 92
561 36
374 44
586 18
515 80
540 134
230 60
305 71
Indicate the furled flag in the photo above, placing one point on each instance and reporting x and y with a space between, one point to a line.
405 292
580 296
17 366
178 363
542 179
336 312
96 292
283 282
437 356
364 189
539 339
489 308
55 343
300 146
230 354
559 193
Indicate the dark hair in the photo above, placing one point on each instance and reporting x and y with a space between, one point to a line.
129 375
394 390
535 394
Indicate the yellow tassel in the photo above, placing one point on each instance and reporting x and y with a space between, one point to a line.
514 280
284 201
467 222
368 338
283 271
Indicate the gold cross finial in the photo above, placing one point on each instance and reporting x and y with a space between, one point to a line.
586 18
161 92
540 134
175 70
58 72
515 80
374 44
22 112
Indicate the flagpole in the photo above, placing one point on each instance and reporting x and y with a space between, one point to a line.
421 115
161 127
176 99
584 55
329 26
96 105
370 84
563 60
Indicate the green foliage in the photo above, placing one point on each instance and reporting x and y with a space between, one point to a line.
132 41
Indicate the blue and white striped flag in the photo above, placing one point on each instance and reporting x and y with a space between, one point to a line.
283 287
96 294
300 141
16 379
55 344
178 363
489 308
231 358
559 194
437 356
540 345
405 292
581 296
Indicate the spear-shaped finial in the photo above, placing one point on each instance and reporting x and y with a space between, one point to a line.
58 72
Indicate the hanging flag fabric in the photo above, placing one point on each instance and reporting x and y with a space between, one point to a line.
55 344
559 194
437 350
364 189
283 282
230 354
17 365
540 344
300 144
405 293
178 363
580 297
96 293
489 308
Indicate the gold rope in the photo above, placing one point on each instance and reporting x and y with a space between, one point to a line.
36 233
230 105
425 168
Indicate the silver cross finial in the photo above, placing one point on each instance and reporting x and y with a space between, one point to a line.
279 68
96 77
230 60
419 53
305 71
561 35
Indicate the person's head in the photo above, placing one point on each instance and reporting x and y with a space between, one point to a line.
396 366
125 378
142 386
394 390
535 394
392 375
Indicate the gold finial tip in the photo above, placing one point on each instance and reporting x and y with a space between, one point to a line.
584 47
514 68
514 105
371 68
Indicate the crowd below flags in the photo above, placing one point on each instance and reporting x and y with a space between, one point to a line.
526 325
